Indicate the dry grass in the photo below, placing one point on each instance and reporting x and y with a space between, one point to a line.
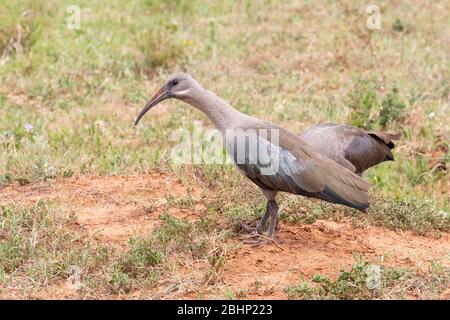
294 64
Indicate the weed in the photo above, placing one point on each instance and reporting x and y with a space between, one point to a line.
140 258
33 242
368 112
421 216
391 283
81 89
391 108
363 103
120 282
139 263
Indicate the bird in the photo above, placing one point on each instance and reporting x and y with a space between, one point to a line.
353 148
292 165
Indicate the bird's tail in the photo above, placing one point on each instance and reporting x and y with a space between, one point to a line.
346 188
385 137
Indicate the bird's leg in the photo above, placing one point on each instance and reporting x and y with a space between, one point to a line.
261 223
273 218
272 212
265 217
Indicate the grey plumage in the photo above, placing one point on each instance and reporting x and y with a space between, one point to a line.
304 171
353 148
300 168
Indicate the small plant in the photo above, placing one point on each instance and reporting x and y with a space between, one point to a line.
391 108
300 291
244 213
120 282
216 261
140 258
421 216
348 285
229 294
368 112
363 102
185 202
398 25
172 230
357 283
138 263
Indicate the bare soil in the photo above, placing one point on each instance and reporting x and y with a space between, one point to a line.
112 209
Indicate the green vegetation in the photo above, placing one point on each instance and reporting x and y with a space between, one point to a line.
176 240
363 281
368 112
138 263
68 98
420 216
80 89
35 246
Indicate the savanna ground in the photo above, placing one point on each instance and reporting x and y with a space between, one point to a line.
81 186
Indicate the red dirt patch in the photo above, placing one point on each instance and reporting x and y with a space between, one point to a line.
325 248
112 209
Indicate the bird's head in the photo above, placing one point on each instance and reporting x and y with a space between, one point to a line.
178 85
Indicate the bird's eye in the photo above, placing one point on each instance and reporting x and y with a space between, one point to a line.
175 82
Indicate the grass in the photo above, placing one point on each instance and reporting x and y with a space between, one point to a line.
139 263
80 89
37 250
68 98
368 112
176 241
420 216
366 280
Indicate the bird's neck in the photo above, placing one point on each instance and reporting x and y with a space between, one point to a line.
222 115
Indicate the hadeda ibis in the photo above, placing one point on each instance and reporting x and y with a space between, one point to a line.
299 168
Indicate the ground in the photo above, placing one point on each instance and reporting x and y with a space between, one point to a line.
111 210
82 189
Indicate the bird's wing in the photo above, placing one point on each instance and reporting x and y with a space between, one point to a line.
337 182
297 168
346 144
325 139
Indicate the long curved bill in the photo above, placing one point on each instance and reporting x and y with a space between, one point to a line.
161 95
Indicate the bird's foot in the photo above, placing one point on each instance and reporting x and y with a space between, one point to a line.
254 238
247 228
